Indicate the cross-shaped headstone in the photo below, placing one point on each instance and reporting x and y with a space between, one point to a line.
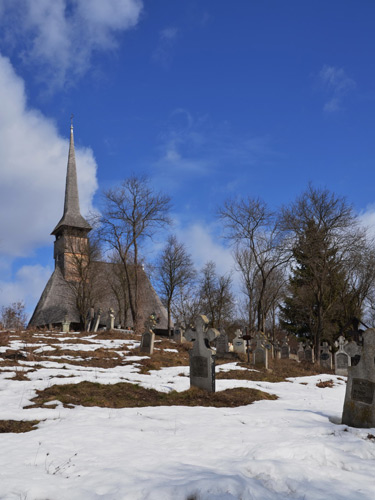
202 362
340 342
201 336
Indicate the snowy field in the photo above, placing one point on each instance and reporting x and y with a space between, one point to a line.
291 448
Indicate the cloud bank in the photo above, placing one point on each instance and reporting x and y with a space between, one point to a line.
337 84
60 36
33 169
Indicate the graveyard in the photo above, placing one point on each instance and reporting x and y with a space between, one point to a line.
110 414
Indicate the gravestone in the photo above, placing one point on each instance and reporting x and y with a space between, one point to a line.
309 354
89 319
354 351
300 352
111 319
202 361
276 350
359 405
147 342
260 353
325 357
97 320
342 358
239 345
65 325
222 345
285 350
178 335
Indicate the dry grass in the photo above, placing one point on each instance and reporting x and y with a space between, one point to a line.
326 383
125 395
18 426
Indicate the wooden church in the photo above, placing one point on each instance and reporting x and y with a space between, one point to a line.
79 284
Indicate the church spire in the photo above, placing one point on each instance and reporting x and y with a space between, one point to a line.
72 215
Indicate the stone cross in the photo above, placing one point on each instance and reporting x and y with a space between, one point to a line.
354 351
65 324
325 357
285 350
202 361
300 352
342 358
359 405
260 353
111 319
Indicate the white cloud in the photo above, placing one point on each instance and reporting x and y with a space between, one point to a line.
27 286
367 220
337 84
60 36
33 169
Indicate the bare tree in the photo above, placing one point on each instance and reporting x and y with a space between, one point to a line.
216 298
186 304
131 213
13 316
260 248
175 271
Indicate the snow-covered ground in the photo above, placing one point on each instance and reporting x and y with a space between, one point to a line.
291 448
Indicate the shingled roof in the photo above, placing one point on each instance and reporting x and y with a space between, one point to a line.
72 215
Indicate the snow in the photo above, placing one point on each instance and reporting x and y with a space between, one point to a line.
291 448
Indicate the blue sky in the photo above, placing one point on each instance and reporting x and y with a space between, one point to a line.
209 98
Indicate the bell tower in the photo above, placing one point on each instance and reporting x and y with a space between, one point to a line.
71 243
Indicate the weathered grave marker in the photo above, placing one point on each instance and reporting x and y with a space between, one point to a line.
359 405
222 345
89 319
260 353
300 352
342 358
111 319
65 325
325 357
354 351
239 345
202 361
147 342
97 320
309 354
285 350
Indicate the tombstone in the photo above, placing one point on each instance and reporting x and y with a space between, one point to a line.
260 353
325 357
222 345
89 319
285 350
178 335
239 345
354 351
202 361
111 319
147 342
342 358
276 350
300 352
65 325
309 354
359 405
96 322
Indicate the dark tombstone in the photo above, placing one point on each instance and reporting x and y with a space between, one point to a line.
285 350
354 351
260 353
359 405
147 342
202 360
325 357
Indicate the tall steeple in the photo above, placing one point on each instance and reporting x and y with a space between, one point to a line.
72 215
71 244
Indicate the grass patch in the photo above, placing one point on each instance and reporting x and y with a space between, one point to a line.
326 383
18 426
125 395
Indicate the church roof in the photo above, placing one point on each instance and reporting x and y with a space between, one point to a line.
72 215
